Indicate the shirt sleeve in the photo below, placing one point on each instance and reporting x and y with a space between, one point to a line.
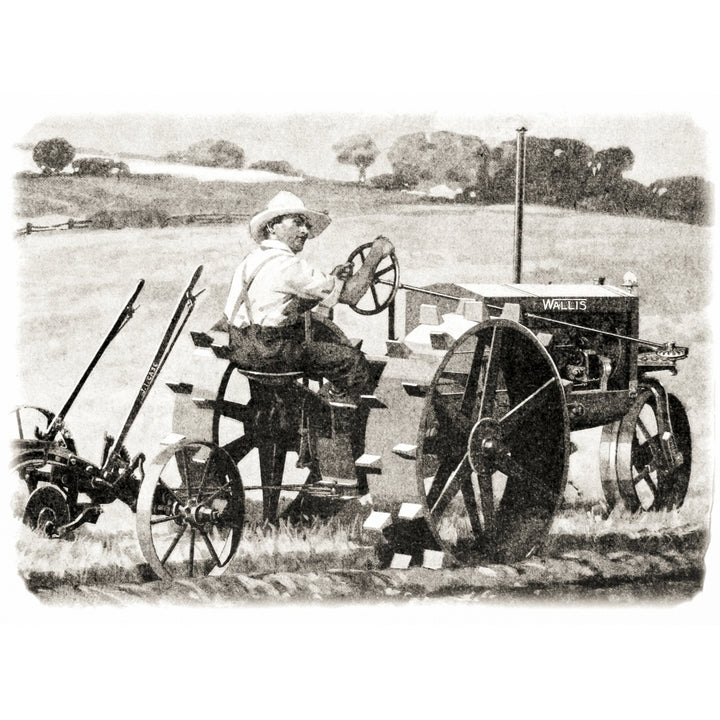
308 283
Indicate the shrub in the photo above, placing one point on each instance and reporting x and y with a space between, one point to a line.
392 181
280 167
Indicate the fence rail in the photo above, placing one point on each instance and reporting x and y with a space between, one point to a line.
195 218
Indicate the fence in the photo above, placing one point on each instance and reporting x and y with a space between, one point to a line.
195 218
70 224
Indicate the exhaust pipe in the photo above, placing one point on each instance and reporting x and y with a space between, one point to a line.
519 200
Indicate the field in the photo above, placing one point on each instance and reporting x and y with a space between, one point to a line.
71 285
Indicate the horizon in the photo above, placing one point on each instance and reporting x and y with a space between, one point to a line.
664 145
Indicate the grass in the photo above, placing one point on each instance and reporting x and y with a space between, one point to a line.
82 197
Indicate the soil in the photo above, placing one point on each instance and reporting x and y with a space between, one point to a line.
667 570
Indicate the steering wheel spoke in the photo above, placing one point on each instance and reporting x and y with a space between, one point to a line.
383 286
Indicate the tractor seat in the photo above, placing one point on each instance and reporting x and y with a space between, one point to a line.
271 378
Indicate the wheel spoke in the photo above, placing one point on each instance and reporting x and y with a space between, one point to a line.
220 490
173 544
170 490
376 300
384 271
487 499
464 475
471 384
209 545
191 560
642 427
438 483
491 374
183 468
451 488
513 469
513 420
455 426
237 449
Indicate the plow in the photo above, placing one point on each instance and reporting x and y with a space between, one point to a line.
468 420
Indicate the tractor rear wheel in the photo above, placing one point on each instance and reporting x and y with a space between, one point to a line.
493 444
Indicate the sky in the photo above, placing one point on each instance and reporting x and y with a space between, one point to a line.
664 144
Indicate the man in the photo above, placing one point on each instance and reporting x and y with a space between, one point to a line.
272 289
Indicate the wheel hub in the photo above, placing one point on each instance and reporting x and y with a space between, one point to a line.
485 444
194 515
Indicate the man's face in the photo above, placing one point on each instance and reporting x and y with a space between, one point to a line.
293 230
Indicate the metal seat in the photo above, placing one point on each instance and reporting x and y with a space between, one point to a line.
271 378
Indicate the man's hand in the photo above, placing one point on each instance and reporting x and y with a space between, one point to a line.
344 271
383 245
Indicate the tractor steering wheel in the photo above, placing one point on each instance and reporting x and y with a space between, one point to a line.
386 276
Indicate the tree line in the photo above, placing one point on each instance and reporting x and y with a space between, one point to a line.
559 171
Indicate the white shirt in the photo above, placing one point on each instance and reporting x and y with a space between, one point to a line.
283 288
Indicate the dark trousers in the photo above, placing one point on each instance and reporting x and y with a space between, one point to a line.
267 349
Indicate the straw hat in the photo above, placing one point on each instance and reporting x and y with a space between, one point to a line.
285 203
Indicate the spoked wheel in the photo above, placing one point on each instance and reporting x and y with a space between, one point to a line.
46 511
648 454
384 285
493 444
190 511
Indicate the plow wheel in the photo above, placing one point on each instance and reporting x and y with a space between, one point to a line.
46 511
647 456
190 511
493 444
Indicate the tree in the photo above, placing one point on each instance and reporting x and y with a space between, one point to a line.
358 150
440 157
51 156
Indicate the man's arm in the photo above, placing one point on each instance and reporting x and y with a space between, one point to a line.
357 285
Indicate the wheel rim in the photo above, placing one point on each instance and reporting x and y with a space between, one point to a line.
650 475
493 444
190 511
384 285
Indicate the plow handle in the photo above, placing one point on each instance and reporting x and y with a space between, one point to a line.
182 312
125 314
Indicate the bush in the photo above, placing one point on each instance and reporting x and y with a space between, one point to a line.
280 167
211 153
687 199
51 156
392 181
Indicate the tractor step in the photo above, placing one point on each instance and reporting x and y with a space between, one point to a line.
371 464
